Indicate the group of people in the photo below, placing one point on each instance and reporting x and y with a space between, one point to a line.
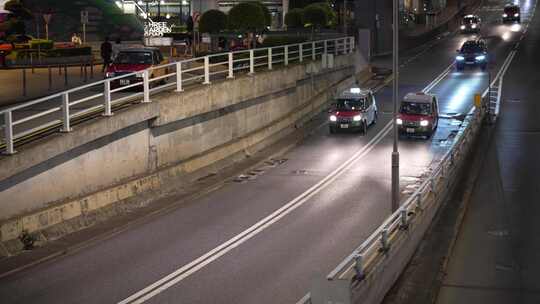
109 51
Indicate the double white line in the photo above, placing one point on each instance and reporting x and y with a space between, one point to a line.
188 269
214 254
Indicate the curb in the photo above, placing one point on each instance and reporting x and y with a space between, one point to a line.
296 137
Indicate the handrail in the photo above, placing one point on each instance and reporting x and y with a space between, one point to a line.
186 72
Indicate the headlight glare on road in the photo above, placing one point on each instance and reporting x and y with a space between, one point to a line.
357 118
460 58
399 121
505 15
473 26
333 118
480 58
463 27
424 123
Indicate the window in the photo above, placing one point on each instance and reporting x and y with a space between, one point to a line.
415 108
352 104
133 58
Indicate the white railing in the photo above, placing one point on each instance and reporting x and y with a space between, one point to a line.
61 110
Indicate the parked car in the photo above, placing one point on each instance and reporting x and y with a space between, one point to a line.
354 109
470 24
418 115
130 60
5 50
472 53
511 13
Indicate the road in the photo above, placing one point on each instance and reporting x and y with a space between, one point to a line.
265 240
495 259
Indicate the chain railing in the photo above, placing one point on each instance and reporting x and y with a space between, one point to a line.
61 110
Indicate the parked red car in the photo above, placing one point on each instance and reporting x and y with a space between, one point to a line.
132 60
418 115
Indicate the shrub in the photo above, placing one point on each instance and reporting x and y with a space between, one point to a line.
295 18
315 16
246 17
213 21
266 13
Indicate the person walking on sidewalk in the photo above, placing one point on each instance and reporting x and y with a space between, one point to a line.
106 52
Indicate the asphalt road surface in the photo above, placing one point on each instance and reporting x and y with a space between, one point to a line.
266 239
495 259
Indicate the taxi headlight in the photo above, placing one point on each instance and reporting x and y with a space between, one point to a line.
399 121
516 15
109 74
473 26
357 118
463 27
505 15
424 123
333 118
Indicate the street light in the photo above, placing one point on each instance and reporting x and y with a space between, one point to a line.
395 68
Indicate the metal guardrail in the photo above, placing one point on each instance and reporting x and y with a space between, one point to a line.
60 110
363 260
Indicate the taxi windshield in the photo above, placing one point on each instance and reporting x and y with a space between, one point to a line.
511 9
133 58
351 104
415 108
468 20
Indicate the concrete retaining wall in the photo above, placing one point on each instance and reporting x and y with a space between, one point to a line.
148 147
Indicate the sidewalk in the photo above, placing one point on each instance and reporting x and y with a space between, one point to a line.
37 82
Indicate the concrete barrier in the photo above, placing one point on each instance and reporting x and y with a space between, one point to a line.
152 147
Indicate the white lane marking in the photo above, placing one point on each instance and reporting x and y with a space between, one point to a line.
439 78
197 264
234 242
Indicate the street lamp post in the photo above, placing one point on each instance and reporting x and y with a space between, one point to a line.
395 68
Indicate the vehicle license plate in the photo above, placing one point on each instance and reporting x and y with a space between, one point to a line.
410 130
344 126
124 81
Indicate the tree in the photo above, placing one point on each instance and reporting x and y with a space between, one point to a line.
330 13
213 21
247 17
315 16
266 13
18 9
295 18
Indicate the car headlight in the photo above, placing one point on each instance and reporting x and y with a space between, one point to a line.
505 15
473 26
463 27
109 74
516 15
357 118
424 123
399 121
480 58
333 118
460 58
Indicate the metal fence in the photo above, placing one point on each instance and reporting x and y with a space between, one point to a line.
59 111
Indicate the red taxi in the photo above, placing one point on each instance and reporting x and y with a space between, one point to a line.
130 60
418 115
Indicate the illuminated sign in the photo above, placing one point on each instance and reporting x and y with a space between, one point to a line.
156 29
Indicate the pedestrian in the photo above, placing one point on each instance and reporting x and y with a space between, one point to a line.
75 39
116 47
106 52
